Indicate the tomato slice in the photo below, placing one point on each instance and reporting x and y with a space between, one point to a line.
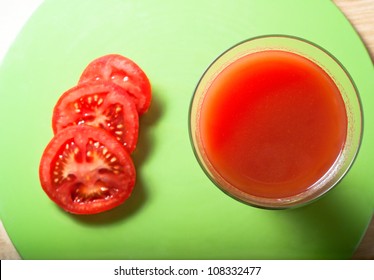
85 170
124 72
100 104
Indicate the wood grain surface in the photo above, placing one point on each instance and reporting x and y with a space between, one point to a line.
361 14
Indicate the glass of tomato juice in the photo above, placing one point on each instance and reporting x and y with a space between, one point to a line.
275 121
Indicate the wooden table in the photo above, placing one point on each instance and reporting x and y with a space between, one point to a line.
361 14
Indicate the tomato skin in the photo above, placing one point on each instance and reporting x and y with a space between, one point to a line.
125 73
84 170
96 103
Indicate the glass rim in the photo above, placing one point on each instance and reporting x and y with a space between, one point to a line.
350 148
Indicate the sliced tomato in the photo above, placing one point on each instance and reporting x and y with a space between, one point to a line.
85 170
100 104
124 72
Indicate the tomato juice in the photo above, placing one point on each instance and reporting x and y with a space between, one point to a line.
272 123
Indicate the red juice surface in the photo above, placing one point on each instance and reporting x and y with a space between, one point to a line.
272 123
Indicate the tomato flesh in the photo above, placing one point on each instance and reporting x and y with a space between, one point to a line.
123 72
100 104
85 170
